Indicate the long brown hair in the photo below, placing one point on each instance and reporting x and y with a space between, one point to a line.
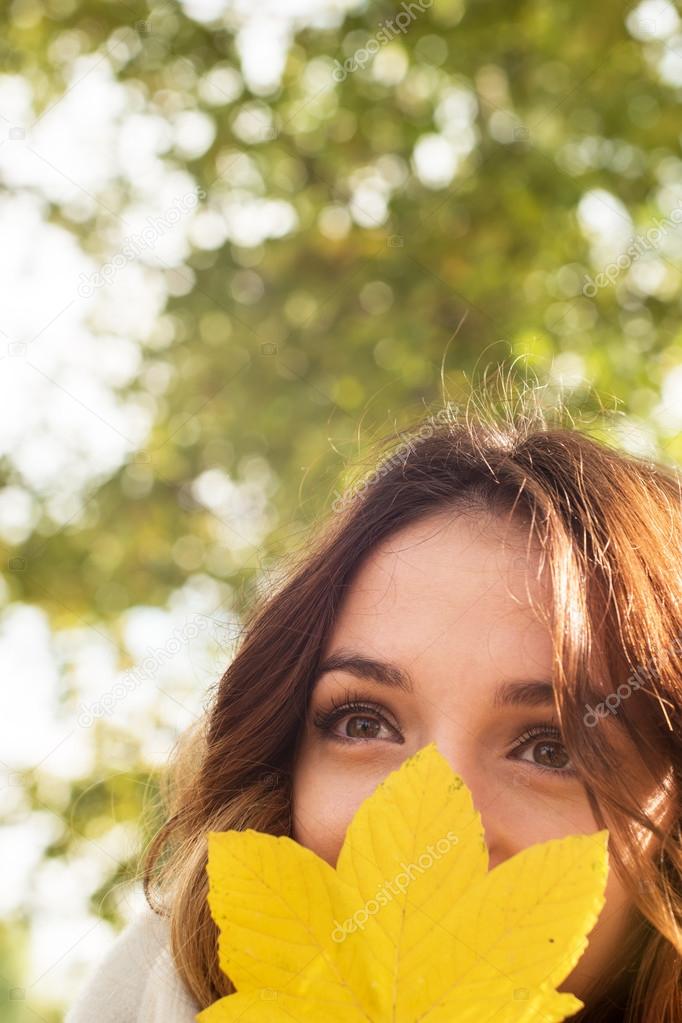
610 528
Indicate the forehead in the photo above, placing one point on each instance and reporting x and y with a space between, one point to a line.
457 586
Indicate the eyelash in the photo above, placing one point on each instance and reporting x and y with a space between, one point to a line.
353 703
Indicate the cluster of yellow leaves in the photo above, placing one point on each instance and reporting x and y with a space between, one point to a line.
457 943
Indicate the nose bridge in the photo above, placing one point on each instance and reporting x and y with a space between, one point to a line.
466 757
458 745
457 719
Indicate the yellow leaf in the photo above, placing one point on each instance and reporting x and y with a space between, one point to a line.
275 902
411 926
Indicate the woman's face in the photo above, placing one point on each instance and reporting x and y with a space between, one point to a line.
444 601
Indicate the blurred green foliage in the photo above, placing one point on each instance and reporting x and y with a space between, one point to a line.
280 350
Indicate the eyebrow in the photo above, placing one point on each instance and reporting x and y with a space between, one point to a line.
525 692
361 666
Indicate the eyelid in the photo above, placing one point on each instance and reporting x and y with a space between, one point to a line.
354 708
536 731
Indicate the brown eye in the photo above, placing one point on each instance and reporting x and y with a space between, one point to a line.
541 746
550 754
362 728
